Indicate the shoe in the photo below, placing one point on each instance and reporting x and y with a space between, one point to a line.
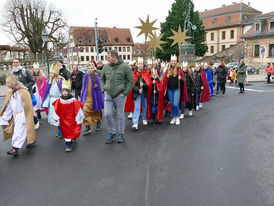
182 116
173 121
120 138
87 130
201 105
154 121
58 136
216 95
190 113
39 115
135 127
36 126
130 115
73 141
114 110
111 138
98 125
68 146
13 151
197 108
144 122
30 146
177 121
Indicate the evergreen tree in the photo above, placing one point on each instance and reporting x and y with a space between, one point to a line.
177 16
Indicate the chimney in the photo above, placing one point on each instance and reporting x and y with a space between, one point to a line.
223 5
205 9
248 4
234 2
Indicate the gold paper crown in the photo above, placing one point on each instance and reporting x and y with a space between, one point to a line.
12 79
66 84
140 60
149 61
155 62
54 69
185 64
205 64
173 57
197 64
163 65
132 62
36 65
91 65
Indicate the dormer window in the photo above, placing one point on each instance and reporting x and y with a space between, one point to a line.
257 27
271 25
128 39
116 39
105 39
227 18
89 40
214 21
80 39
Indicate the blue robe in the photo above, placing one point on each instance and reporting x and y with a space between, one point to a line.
210 81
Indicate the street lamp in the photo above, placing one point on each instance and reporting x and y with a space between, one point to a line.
45 38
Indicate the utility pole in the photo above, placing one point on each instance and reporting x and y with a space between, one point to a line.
96 41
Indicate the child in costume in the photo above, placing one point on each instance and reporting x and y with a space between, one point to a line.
209 76
39 90
68 111
52 93
92 98
16 116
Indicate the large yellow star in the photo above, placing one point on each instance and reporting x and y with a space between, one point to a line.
146 28
155 42
179 37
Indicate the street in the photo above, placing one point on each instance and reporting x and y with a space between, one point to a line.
221 156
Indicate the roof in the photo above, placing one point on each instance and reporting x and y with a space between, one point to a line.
110 36
224 10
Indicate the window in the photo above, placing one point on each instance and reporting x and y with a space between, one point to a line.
223 47
227 18
87 58
124 57
271 25
89 39
212 36
116 39
124 49
214 21
128 49
106 49
102 58
115 48
223 35
91 49
271 50
81 49
80 39
120 49
120 56
82 58
211 49
257 51
109 48
128 57
75 58
231 34
92 57
257 27
87 49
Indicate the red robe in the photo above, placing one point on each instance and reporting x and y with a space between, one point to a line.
205 94
160 101
67 111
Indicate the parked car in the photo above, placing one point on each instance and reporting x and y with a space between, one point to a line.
251 69
232 64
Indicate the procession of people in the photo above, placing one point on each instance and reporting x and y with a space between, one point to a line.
145 90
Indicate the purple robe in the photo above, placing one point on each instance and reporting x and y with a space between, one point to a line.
59 84
97 95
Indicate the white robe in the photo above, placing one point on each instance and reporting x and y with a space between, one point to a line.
15 108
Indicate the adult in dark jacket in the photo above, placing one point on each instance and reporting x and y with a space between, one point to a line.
63 70
241 76
190 86
221 73
76 81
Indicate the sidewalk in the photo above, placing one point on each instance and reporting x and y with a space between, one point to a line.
256 78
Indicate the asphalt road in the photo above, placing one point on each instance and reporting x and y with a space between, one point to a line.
222 156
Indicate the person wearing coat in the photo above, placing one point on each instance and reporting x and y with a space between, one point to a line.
77 78
241 76
221 73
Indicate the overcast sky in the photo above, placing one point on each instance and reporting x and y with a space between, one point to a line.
125 13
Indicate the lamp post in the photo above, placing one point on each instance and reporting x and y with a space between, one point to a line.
45 38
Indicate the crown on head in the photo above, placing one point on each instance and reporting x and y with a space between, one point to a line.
197 64
66 84
163 65
149 61
205 64
185 64
91 65
36 65
54 69
132 62
173 57
140 60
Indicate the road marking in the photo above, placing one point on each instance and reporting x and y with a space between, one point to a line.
253 90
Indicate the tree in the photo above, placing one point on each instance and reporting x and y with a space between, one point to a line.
25 20
176 17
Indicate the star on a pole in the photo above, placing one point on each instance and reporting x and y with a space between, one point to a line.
155 42
179 37
147 27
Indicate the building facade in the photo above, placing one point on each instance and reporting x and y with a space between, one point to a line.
141 50
259 41
225 25
82 44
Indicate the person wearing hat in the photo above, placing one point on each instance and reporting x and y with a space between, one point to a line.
68 111
92 98
16 116
63 72
40 87
52 93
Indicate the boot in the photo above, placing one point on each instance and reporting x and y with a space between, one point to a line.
13 151
87 130
68 146
153 119
98 125
241 90
39 114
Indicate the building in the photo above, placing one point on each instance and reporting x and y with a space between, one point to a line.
225 25
139 51
82 44
259 40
